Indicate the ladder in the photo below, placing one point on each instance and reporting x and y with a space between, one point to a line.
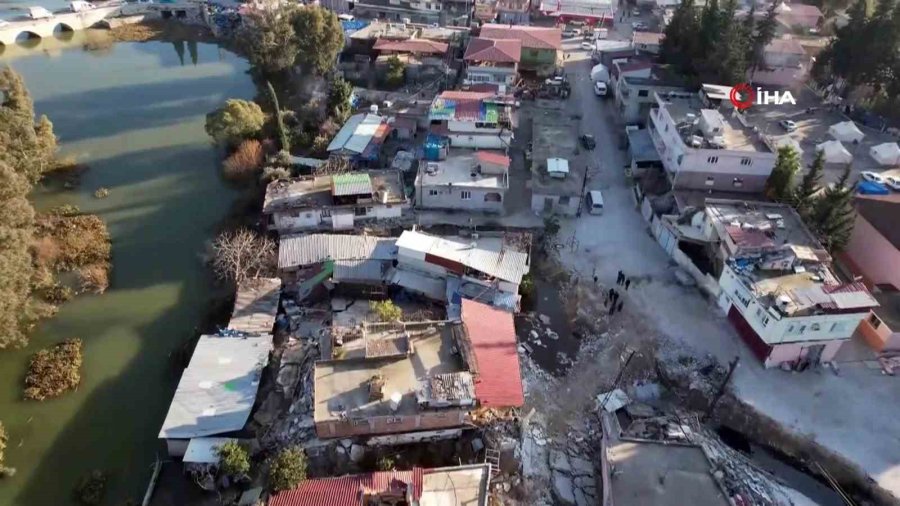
492 457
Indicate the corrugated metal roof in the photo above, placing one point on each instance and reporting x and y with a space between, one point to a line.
346 490
218 387
256 305
356 133
299 250
486 254
360 270
493 338
430 287
352 183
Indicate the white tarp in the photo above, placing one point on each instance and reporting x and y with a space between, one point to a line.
886 154
600 73
846 131
835 152
788 141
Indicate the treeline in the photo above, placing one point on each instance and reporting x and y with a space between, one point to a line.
277 38
715 45
864 53
34 248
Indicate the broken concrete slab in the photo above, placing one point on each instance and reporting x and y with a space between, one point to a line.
559 461
357 453
615 400
563 489
581 467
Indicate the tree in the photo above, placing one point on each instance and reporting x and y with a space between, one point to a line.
386 310
4 471
730 58
781 180
244 163
28 147
832 216
320 37
679 44
234 122
287 469
234 460
279 119
395 71
242 255
339 94
16 268
804 194
269 39
765 32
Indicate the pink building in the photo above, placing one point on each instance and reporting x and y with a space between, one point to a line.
874 254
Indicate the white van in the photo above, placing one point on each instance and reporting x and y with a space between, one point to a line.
594 202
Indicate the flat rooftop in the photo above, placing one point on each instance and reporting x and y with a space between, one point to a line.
452 486
686 112
555 136
318 191
754 224
459 170
341 386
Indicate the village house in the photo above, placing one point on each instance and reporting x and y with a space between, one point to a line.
637 85
473 119
873 254
492 61
514 12
467 485
776 285
557 173
464 181
360 139
443 371
647 42
484 267
341 201
794 16
485 10
708 149
306 262
541 46
785 64
421 52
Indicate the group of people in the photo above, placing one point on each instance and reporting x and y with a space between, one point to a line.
613 298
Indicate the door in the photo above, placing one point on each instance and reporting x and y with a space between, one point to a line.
548 204
814 354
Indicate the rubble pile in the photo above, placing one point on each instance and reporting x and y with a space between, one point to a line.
294 390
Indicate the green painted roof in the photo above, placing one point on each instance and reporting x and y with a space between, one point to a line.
352 183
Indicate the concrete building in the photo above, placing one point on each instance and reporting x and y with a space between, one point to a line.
647 42
464 181
541 46
492 61
706 149
336 202
557 174
417 11
637 85
777 285
514 12
785 65
473 119
467 485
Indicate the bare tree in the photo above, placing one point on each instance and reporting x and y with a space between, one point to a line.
333 166
241 255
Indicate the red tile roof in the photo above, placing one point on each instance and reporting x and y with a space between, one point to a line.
749 238
493 50
417 46
493 336
532 37
346 490
494 158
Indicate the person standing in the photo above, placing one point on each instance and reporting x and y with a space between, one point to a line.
620 277
621 303
610 293
627 283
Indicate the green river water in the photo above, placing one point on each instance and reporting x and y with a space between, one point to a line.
134 113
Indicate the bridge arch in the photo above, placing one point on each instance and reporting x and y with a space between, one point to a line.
27 35
63 27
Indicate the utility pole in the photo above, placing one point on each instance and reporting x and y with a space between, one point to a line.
731 367
618 378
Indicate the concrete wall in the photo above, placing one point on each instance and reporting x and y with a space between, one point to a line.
496 75
541 203
881 338
450 197
498 141
794 352
875 256
718 181
307 219
390 424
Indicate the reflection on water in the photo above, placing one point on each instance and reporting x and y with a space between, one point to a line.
135 114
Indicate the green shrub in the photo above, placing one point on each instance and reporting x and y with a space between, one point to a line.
4 471
386 310
54 371
234 460
287 469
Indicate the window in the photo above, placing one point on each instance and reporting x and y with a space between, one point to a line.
359 211
737 182
815 327
765 321
564 200
643 93
712 159
326 213
746 161
465 195
874 321
666 129
710 181
802 329
432 192
393 419
360 421
759 313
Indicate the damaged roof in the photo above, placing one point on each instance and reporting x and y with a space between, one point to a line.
489 255
309 249
347 490
493 341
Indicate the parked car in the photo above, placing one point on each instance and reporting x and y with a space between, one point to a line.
571 32
587 46
892 182
788 125
600 89
635 12
588 141
594 202
872 176
639 26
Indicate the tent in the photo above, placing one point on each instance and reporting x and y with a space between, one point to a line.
846 131
886 154
788 141
835 152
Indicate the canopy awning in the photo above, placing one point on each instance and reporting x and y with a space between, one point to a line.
886 154
835 152
846 131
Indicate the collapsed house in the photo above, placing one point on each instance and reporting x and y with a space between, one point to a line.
339 201
420 379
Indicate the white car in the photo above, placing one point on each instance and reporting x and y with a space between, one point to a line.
788 125
600 89
587 46
892 182
872 176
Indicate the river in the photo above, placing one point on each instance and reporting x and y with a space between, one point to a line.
134 113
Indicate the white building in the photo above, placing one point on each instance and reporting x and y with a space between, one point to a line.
708 149
334 202
469 182
472 119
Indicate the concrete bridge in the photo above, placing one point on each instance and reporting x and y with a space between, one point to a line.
43 28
